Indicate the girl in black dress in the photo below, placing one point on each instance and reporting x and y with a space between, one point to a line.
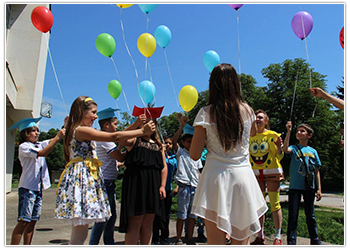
143 188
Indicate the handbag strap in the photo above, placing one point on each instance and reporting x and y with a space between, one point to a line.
303 159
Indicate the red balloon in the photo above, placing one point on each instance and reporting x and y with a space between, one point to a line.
42 18
341 37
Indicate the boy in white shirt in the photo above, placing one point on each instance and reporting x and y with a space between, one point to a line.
34 178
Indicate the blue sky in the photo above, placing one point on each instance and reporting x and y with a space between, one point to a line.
265 37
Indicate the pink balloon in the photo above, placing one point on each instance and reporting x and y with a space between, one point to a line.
236 6
302 24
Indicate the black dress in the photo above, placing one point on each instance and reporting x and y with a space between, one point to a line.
141 183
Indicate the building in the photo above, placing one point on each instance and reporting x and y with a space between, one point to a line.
25 54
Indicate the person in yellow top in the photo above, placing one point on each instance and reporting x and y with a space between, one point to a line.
265 149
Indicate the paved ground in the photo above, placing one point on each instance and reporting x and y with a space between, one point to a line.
51 231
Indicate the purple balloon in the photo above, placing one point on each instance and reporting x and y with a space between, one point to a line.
236 6
300 20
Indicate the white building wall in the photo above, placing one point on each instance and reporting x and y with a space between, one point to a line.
26 55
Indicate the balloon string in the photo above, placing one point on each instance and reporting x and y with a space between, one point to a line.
295 88
54 71
116 104
127 48
239 49
171 79
116 70
308 60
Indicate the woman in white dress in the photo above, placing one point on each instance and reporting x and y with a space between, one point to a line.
228 196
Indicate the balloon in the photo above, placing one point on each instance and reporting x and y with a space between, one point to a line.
147 91
236 6
162 34
147 8
188 97
124 6
42 18
211 59
341 37
114 88
302 24
105 44
146 44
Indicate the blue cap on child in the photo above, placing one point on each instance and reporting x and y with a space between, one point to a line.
25 123
106 113
188 129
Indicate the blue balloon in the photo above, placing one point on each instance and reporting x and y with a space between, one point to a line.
162 34
147 91
147 8
211 59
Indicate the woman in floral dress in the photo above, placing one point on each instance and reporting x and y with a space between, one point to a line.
80 198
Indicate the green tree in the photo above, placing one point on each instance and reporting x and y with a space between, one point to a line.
300 108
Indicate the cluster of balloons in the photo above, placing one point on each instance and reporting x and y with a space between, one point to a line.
42 18
302 24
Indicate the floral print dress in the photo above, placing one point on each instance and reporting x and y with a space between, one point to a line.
80 197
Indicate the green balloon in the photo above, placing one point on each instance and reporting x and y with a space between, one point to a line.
105 44
114 88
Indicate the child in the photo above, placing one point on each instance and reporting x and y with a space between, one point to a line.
80 197
186 178
34 177
302 154
143 187
265 156
171 161
228 196
108 153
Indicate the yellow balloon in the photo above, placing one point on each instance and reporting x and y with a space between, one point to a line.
124 6
146 44
188 97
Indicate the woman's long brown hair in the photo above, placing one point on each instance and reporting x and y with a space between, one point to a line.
76 115
226 100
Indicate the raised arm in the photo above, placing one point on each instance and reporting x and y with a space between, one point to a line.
182 121
286 148
318 92
87 133
48 149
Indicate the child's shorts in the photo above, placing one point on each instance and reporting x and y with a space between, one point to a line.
29 205
185 197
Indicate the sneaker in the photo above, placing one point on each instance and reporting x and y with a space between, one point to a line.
202 238
228 241
179 242
258 241
277 241
191 242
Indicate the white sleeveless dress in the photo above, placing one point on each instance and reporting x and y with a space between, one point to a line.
228 193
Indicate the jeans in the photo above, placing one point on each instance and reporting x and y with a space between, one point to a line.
29 204
106 227
294 198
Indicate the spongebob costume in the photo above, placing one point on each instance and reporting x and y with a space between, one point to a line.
265 162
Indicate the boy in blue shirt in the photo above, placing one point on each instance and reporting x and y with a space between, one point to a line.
302 154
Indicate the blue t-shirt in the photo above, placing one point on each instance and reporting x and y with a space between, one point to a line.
297 170
172 166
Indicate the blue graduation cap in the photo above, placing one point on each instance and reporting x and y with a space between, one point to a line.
26 123
106 113
188 129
